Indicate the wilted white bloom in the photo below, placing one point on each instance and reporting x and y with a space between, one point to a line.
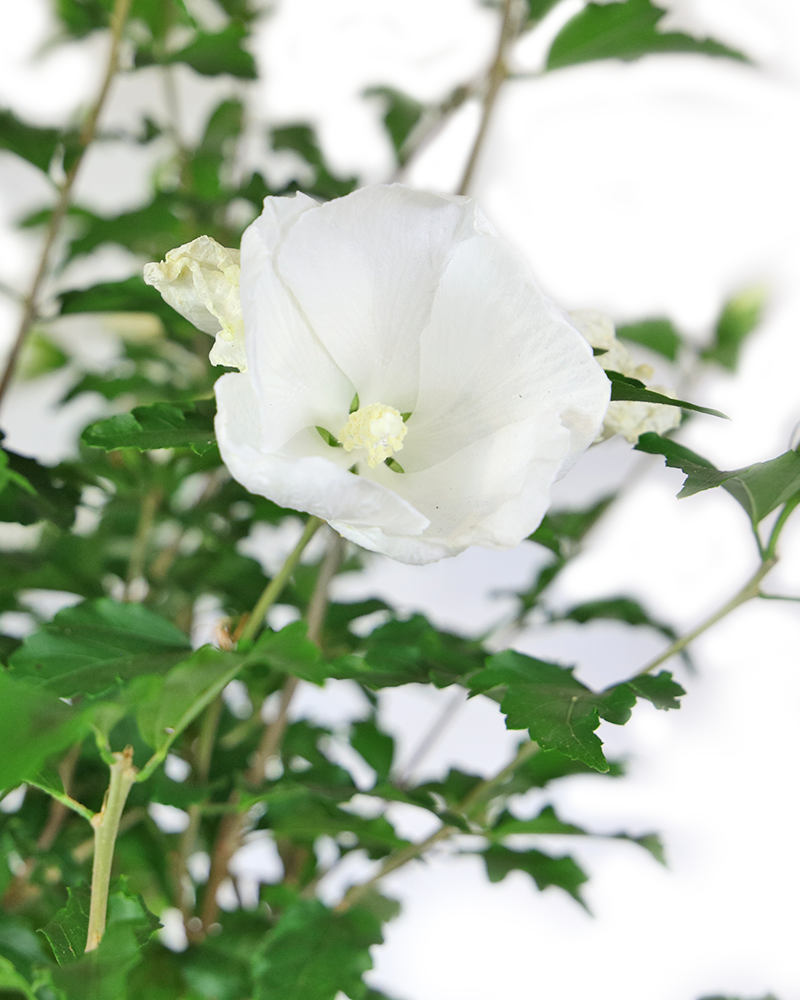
625 417
200 280
406 380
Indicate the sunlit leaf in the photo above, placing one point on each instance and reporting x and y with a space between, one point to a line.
160 425
740 316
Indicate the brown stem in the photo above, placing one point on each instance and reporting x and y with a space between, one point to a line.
87 134
498 72
232 827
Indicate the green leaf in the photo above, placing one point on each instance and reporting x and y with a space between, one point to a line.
160 425
89 648
402 114
36 145
545 870
375 746
623 609
759 488
626 31
537 10
546 822
34 726
130 295
101 974
211 54
301 140
8 477
558 711
170 703
658 334
740 316
216 149
10 979
313 953
631 389
51 494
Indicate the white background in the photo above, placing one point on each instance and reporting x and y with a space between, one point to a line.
656 188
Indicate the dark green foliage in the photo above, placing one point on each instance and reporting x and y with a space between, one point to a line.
160 425
211 54
740 315
537 9
215 150
36 145
659 335
95 645
759 488
402 113
301 140
35 492
631 389
545 870
313 953
626 30
559 712
34 725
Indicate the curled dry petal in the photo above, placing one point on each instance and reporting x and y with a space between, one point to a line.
398 323
628 418
200 280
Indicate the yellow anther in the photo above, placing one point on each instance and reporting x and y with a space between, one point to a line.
377 428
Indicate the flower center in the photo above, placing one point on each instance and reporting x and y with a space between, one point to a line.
378 428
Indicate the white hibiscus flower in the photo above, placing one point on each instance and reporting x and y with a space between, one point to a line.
405 378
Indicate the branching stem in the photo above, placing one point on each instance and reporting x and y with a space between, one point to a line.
748 591
31 307
467 808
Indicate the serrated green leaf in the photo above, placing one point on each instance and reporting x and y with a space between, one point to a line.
89 648
759 488
170 703
740 315
401 116
545 870
313 953
659 335
632 390
36 145
290 651
160 425
626 30
68 929
660 689
559 712
34 726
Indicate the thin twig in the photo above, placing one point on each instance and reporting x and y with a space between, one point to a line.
498 72
432 736
232 827
748 591
466 808
87 134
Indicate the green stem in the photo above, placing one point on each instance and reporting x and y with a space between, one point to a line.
273 589
65 800
748 591
147 514
106 826
772 544
466 808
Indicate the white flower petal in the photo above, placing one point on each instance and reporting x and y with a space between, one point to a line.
299 385
492 493
290 478
496 351
365 270
200 280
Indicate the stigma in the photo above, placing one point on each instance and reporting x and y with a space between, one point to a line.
376 428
